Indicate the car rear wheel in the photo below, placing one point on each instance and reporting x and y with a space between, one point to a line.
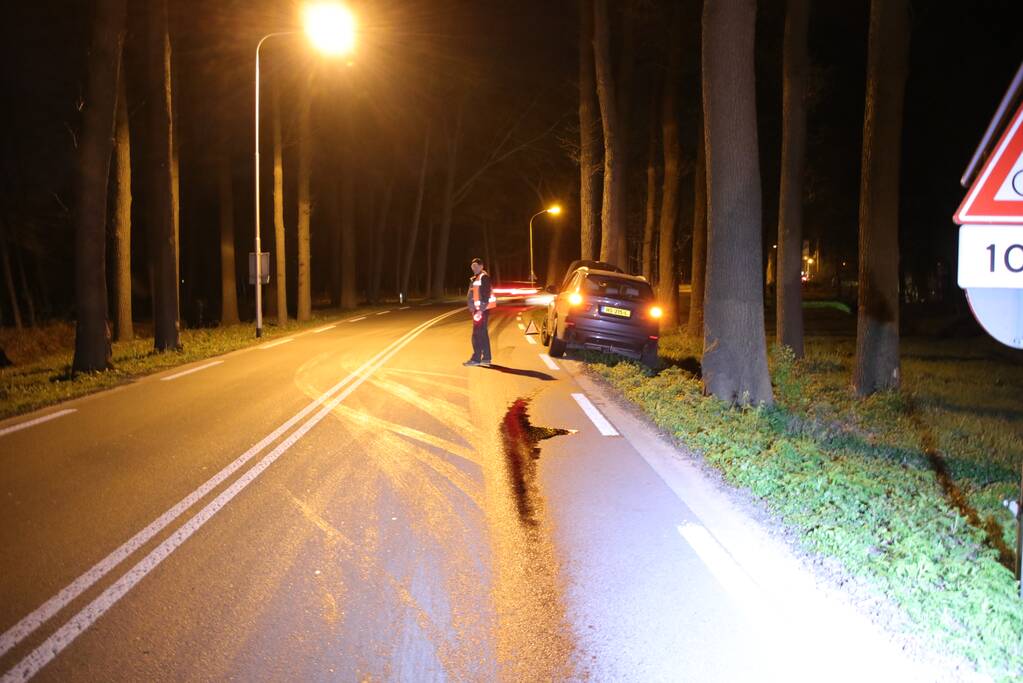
545 336
557 345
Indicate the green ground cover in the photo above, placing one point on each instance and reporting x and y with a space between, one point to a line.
903 489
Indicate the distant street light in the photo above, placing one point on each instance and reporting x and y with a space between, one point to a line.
552 210
330 28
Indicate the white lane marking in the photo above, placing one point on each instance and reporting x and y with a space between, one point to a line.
530 340
277 343
547 360
596 417
522 327
324 328
36 421
355 320
404 308
44 612
723 566
190 371
383 312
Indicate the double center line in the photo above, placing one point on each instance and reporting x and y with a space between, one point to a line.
81 621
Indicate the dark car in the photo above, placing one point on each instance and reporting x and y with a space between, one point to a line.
604 311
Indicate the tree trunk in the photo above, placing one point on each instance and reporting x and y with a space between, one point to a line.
12 291
667 269
281 273
877 326
27 292
587 133
611 218
649 239
623 127
304 207
163 243
122 219
789 303
694 326
380 238
440 265
228 269
349 256
735 347
417 215
92 334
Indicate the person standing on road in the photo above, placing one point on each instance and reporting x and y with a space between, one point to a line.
481 300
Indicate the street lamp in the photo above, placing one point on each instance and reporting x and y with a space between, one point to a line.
330 27
552 210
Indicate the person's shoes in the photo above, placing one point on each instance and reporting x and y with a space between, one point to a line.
471 362
484 364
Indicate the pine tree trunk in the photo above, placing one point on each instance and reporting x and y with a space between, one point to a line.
417 215
789 304
163 243
694 326
876 365
304 206
92 334
649 239
228 269
735 347
623 111
612 221
12 291
122 218
587 134
440 264
281 272
349 255
667 269
379 238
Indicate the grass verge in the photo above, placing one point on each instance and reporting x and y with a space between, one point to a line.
902 490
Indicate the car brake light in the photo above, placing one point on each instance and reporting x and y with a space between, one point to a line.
656 312
575 298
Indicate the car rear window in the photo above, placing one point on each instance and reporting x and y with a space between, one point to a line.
613 288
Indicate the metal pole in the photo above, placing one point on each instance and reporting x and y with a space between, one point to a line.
259 275
532 273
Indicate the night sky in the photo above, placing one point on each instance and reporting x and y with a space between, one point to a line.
510 61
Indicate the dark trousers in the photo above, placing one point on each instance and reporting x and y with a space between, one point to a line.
481 339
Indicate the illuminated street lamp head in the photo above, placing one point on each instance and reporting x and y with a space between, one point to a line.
330 27
554 210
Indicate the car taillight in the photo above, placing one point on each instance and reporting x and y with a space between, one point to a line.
656 312
575 298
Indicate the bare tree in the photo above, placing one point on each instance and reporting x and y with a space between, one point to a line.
228 272
92 337
417 214
735 347
667 277
281 273
122 216
587 132
789 306
876 365
304 207
612 217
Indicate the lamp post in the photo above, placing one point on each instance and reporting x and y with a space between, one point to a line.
554 211
330 27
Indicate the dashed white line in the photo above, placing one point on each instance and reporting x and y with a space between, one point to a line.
548 361
190 371
38 420
324 328
383 312
404 308
277 343
530 340
522 327
355 320
596 417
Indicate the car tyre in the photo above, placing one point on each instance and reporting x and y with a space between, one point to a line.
558 346
545 337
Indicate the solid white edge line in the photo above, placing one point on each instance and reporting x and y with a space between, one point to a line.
276 343
355 320
598 419
531 340
548 361
190 371
48 609
324 328
36 421
722 566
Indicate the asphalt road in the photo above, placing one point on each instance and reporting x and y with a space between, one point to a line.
354 504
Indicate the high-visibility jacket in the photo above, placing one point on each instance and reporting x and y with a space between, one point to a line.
481 296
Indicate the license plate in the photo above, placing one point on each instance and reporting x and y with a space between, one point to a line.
620 312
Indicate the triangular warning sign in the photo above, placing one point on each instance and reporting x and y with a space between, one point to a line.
531 328
996 196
